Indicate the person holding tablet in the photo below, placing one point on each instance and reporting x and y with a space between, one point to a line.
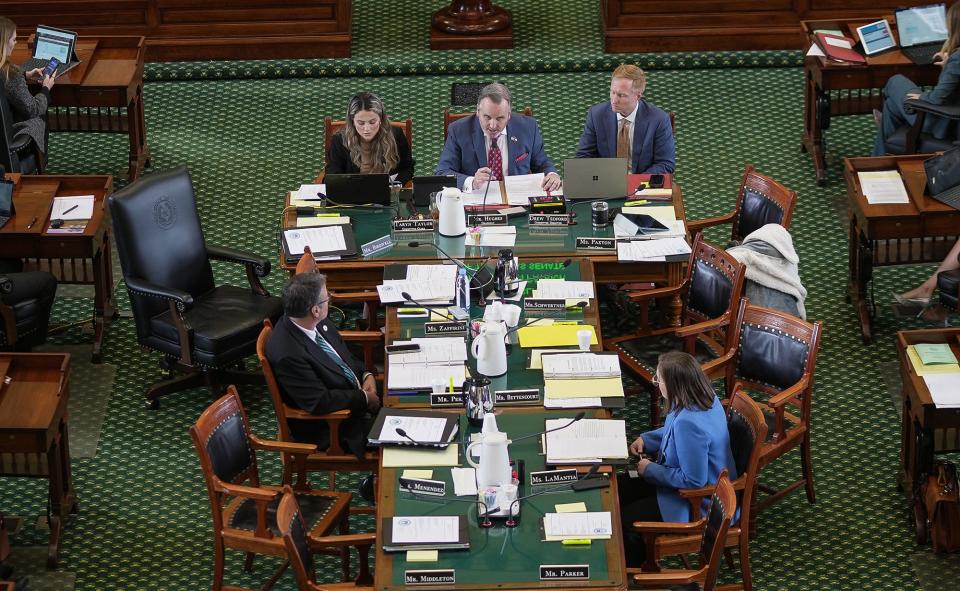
900 88
29 110
368 144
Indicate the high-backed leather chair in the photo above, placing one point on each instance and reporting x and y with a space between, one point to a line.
24 322
760 201
17 153
201 328
709 296
711 530
449 117
910 139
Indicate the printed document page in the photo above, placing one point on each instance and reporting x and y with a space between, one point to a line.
73 208
321 240
521 187
589 525
651 250
587 438
426 429
580 365
426 530
475 197
882 187
413 377
560 289
944 389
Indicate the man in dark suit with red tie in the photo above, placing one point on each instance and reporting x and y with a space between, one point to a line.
315 370
629 127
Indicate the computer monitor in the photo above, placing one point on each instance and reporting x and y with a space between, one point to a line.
6 201
358 189
595 178
922 24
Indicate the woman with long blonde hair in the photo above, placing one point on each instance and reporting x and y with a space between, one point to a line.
368 144
29 110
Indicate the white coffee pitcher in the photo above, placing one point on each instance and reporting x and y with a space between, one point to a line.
453 219
489 349
494 466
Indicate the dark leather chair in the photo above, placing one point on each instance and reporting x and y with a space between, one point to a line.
24 323
910 139
711 532
18 153
709 296
760 201
948 286
201 328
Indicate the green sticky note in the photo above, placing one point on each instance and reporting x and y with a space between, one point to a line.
935 354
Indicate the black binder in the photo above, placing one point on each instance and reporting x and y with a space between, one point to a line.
349 241
462 543
383 418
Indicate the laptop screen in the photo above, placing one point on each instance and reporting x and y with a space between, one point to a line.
6 198
923 24
54 43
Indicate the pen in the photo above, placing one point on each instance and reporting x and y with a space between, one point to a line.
319 215
32 222
576 542
69 210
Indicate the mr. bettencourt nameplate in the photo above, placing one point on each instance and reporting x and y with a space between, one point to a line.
445 328
591 243
508 397
553 477
430 577
555 572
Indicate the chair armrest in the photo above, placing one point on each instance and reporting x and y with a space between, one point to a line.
781 399
261 265
656 293
182 299
668 527
667 577
251 492
282 446
717 364
696 493
699 225
302 415
342 541
699 327
948 111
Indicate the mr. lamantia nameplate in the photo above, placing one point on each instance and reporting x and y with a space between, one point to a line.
424 486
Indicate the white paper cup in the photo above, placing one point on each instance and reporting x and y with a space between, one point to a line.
438 386
511 314
583 339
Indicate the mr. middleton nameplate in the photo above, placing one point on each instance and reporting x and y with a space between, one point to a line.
430 577
591 243
444 328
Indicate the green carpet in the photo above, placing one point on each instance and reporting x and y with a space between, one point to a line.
144 519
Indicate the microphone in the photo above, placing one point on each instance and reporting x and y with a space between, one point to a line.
484 516
407 297
475 279
402 433
375 206
580 304
576 418
512 518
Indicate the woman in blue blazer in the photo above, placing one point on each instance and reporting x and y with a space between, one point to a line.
947 91
691 449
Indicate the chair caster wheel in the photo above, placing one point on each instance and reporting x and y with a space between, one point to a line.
153 404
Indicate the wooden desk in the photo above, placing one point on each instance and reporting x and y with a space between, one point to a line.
104 93
832 89
500 557
73 258
33 431
921 231
920 417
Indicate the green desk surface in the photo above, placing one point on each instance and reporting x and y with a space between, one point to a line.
500 557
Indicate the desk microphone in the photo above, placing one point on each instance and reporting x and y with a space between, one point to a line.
485 516
402 433
512 518
580 304
408 298
579 416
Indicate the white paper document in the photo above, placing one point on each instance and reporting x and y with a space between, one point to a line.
391 291
815 51
72 208
426 530
326 239
464 481
580 366
433 351
883 187
521 187
413 377
426 429
652 250
944 389
588 525
501 236
310 192
476 197
561 289
842 43
572 402
586 439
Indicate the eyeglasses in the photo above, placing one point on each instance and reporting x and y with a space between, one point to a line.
656 380
322 302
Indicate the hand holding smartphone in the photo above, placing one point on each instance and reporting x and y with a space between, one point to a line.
51 68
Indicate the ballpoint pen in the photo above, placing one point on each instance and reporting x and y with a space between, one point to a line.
69 210
32 222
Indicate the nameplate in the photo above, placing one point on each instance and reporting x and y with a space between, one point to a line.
430 577
487 219
423 486
554 572
549 219
553 477
591 243
445 328
447 399
534 304
377 245
414 225
517 397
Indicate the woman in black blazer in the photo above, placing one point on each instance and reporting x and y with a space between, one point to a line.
368 144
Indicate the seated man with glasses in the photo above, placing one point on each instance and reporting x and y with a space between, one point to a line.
315 370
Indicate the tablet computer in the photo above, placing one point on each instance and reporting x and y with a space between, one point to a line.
876 37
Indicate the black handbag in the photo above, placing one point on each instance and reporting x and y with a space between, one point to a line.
943 171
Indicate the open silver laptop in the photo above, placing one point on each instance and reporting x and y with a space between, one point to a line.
595 178
51 42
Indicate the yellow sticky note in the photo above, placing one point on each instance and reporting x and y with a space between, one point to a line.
580 507
586 388
422 474
422 555
555 335
436 316
401 457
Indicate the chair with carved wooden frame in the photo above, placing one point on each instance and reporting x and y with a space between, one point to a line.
332 126
760 201
244 509
774 362
449 117
709 295
301 547
748 430
710 531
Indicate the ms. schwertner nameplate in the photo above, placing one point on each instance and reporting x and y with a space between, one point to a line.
549 219
430 577
553 572
445 328
534 304
447 399
428 225
487 219
591 243
553 477
424 486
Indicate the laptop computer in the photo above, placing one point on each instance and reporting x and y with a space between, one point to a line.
423 186
358 189
922 30
595 178
52 42
6 202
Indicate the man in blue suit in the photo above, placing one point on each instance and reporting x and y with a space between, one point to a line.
629 127
493 144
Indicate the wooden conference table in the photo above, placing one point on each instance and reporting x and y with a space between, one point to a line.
833 89
922 231
103 93
72 258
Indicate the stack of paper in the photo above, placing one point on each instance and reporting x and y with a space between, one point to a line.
476 197
427 284
327 239
521 187
927 361
404 457
561 289
587 441
72 208
944 389
499 236
433 351
883 187
590 525
652 250
307 195
413 377
313 221
580 366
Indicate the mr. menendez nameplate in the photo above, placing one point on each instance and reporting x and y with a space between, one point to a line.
553 477
553 572
487 219
447 399
549 219
430 577
534 304
445 328
508 397
414 225
591 243
424 486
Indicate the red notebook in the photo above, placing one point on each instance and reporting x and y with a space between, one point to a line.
839 48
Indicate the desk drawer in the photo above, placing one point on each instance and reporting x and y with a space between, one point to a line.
22 464
905 227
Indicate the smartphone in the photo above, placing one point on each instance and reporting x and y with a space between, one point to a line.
656 181
51 67
411 348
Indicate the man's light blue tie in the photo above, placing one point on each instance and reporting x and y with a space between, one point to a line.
351 377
